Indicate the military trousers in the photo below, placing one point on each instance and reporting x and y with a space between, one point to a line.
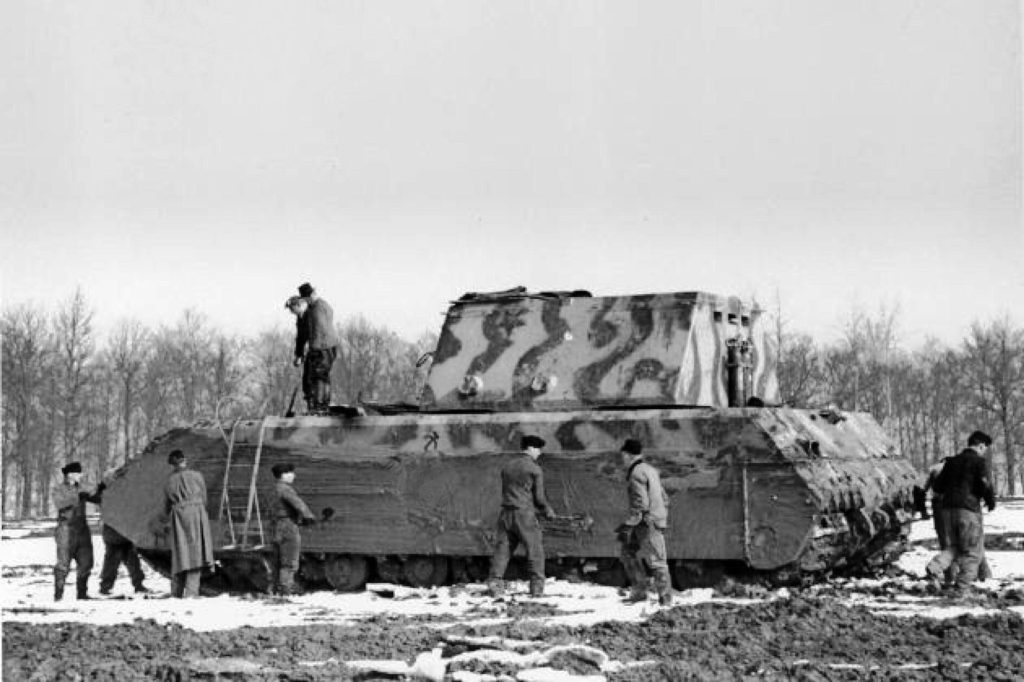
119 550
73 544
643 552
965 550
185 584
287 548
316 378
515 527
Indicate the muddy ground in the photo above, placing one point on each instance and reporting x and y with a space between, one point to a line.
803 637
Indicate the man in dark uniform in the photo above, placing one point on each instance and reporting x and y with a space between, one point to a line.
316 346
642 533
963 482
522 491
72 533
290 512
942 519
119 550
191 542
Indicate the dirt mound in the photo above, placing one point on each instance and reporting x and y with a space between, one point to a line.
801 637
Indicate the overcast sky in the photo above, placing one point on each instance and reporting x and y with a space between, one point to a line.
214 155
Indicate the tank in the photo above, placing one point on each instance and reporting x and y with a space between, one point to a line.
410 492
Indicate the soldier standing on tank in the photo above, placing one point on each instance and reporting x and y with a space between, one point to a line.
642 533
290 512
191 542
74 540
522 492
963 483
316 346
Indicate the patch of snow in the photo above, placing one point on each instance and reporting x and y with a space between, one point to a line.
551 675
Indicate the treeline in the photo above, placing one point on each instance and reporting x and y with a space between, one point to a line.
70 394
928 399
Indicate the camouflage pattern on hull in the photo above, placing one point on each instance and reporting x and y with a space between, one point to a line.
756 485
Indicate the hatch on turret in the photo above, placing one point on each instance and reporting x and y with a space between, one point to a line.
516 350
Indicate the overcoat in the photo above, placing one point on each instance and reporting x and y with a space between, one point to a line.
185 503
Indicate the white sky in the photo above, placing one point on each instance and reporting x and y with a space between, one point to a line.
166 155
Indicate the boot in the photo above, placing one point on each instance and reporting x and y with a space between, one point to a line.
537 587
495 587
83 589
58 590
664 586
635 596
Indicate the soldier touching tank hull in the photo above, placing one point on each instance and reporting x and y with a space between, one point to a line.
522 491
74 541
290 512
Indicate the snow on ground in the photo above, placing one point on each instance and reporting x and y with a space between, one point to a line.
27 592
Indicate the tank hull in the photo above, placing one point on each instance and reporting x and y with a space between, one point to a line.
771 489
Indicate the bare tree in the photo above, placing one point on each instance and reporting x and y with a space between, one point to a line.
994 359
27 350
75 345
128 349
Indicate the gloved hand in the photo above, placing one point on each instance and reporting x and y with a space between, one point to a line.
990 507
101 487
84 496
622 532
308 522
297 361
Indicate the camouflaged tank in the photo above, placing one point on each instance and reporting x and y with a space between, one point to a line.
410 493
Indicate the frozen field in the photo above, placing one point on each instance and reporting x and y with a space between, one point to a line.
26 598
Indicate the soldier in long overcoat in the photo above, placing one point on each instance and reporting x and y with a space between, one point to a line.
191 542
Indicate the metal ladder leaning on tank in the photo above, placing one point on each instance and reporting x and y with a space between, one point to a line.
240 537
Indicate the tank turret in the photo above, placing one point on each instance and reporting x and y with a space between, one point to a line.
514 350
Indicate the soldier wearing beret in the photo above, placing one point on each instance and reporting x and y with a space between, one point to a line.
962 484
642 534
522 492
289 513
74 540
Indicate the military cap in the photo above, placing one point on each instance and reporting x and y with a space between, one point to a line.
531 442
305 289
175 457
71 468
979 438
632 446
282 468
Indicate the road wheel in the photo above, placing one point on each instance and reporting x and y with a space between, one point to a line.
345 572
426 571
